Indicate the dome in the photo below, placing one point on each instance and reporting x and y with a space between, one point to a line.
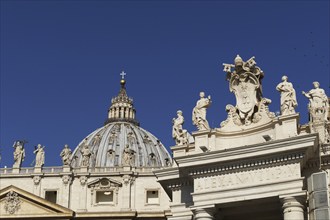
121 141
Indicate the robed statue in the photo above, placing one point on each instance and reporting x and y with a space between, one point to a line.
40 155
179 134
19 153
199 112
318 103
288 96
66 155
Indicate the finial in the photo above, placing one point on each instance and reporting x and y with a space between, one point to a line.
122 81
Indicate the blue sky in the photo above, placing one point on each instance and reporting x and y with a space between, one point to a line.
60 62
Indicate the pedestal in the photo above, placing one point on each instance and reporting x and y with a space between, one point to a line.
83 169
15 170
66 169
37 169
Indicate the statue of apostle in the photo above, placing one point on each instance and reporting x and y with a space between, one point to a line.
19 153
66 154
199 112
40 155
179 134
288 96
318 103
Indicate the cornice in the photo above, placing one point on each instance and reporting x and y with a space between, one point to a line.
292 146
165 174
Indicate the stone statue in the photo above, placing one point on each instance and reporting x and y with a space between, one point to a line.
288 96
66 154
86 154
245 82
19 153
179 134
318 103
199 112
128 156
40 155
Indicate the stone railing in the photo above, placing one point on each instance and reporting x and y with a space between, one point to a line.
59 169
27 170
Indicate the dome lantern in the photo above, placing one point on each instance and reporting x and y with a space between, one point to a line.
122 108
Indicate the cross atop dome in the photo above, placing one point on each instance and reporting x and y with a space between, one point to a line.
123 74
123 81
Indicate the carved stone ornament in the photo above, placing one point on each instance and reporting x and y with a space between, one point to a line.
83 180
36 180
128 158
127 179
66 179
12 202
245 83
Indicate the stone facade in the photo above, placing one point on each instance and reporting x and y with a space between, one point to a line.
255 165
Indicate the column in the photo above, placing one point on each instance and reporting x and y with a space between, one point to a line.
110 113
292 208
122 112
117 113
126 112
204 214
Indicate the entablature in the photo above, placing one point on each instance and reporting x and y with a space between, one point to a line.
295 146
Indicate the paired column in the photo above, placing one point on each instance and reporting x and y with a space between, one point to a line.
293 208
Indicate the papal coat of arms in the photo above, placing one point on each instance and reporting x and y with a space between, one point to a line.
12 202
245 83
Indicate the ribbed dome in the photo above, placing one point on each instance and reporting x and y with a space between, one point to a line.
121 141
109 142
